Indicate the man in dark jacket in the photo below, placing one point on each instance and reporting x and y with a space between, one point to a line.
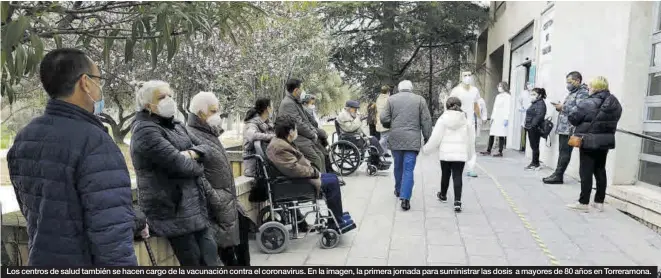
170 177
577 93
70 179
307 141
230 223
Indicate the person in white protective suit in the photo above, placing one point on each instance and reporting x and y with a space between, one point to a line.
469 96
499 120
483 116
523 102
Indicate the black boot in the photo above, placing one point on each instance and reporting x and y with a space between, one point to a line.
396 193
406 204
553 179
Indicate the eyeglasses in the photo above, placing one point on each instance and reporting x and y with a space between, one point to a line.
102 80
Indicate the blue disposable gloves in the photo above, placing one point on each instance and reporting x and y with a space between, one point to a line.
506 122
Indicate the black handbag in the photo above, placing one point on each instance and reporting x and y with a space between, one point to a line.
259 192
545 128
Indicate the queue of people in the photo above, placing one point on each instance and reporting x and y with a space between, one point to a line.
74 188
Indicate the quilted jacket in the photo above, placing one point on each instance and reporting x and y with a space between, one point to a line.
74 189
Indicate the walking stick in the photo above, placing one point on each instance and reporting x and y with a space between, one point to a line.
150 253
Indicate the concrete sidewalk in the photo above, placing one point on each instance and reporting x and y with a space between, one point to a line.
509 218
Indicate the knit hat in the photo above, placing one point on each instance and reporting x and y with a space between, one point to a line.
405 85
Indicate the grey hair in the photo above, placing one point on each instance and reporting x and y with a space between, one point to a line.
201 102
146 90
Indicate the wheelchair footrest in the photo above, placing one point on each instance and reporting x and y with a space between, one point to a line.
347 228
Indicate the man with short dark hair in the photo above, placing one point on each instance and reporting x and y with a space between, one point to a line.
70 179
577 92
307 142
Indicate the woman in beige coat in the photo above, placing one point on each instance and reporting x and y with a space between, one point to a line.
381 103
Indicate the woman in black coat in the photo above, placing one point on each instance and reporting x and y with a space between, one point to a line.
534 119
595 120
229 222
170 177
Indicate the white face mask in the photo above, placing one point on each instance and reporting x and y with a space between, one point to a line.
167 107
313 107
214 120
500 90
533 97
466 80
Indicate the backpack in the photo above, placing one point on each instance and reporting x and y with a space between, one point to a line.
546 127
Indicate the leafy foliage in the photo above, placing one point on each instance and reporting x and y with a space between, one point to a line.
158 27
379 43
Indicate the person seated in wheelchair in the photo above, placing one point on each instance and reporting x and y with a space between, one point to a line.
350 123
291 163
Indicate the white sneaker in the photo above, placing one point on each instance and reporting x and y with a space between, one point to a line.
579 207
598 206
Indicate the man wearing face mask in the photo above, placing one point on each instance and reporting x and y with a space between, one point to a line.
229 221
70 178
291 105
577 93
170 175
469 96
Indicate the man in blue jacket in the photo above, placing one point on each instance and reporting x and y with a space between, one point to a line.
70 179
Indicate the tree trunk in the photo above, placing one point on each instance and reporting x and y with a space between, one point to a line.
430 94
118 135
390 51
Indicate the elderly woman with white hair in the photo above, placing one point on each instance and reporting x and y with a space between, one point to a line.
229 221
170 174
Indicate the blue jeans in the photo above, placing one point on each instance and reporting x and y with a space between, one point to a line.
404 166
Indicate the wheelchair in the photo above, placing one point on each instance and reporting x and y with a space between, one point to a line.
285 197
350 150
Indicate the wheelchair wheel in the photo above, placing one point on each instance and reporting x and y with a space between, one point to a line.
272 237
345 157
264 216
371 170
329 239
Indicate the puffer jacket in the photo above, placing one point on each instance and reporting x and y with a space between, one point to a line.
74 189
535 114
409 120
453 137
570 104
254 129
220 189
598 116
169 183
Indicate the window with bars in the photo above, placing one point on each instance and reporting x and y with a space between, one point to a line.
650 155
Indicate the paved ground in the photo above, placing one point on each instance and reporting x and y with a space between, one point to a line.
509 218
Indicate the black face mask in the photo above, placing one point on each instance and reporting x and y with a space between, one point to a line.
571 87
